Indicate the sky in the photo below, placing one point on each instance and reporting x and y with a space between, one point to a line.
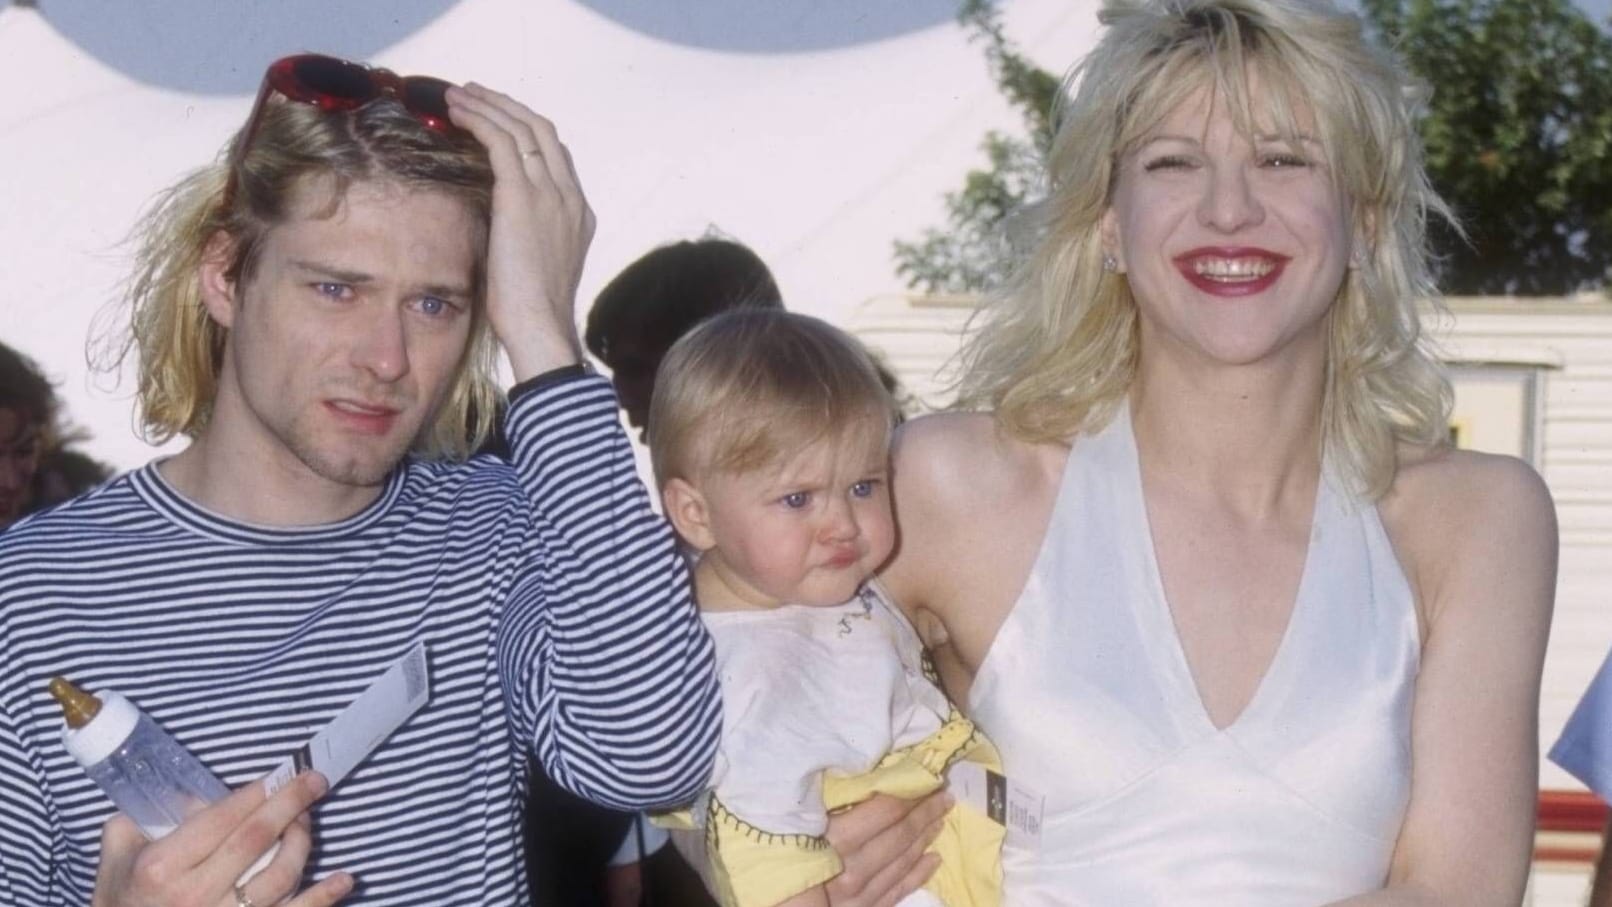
1599 9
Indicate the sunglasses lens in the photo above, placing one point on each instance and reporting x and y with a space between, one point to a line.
336 84
426 98
335 80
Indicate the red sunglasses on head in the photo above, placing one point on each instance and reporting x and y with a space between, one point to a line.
330 83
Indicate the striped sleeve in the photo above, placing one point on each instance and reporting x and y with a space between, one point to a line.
607 670
25 827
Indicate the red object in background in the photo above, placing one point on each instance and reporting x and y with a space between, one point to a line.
1571 810
1569 827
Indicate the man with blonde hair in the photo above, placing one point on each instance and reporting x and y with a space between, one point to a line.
317 313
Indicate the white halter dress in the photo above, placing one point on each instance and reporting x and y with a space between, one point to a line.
1087 693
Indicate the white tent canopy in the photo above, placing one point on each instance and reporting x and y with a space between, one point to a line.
818 158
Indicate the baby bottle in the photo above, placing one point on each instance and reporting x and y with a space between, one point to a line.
152 779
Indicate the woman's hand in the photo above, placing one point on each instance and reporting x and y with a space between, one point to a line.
882 843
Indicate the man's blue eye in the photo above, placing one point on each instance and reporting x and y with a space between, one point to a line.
330 288
437 307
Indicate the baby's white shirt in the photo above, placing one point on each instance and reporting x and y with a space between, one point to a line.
810 689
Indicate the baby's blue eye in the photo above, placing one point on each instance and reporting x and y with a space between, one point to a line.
795 500
864 488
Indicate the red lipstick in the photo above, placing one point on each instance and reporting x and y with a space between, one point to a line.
1231 271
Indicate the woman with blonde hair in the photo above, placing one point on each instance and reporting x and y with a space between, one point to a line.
1200 560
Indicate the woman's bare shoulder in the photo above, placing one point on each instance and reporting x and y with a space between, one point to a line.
1456 516
971 502
1438 486
966 458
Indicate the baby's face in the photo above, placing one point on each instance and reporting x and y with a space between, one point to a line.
809 530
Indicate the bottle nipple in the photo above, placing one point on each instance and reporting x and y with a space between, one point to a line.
78 707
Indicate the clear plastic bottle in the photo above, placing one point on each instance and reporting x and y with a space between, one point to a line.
149 776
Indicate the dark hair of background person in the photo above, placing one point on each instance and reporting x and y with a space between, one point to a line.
25 390
637 317
37 468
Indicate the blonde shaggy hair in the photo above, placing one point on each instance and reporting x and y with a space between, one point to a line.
1056 351
180 348
748 387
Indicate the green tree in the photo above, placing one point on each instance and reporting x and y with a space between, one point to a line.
970 253
1518 134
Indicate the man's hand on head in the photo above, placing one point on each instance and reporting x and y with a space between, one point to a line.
541 229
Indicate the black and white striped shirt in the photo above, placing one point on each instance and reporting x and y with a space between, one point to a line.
553 601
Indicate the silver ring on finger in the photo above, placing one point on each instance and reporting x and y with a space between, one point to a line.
241 898
529 153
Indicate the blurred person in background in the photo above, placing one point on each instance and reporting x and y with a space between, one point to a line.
37 467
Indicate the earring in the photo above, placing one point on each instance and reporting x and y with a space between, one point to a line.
1110 263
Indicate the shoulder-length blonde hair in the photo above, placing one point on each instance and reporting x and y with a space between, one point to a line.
180 348
1056 351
